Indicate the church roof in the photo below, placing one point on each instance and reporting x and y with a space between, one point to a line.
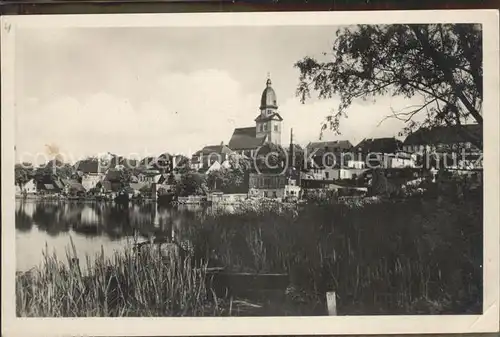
268 99
245 139
275 115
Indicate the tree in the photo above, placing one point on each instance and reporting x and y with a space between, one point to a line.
125 176
227 180
182 165
65 171
192 183
442 63
239 163
23 173
271 157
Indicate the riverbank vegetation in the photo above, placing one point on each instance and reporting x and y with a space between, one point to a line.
128 284
393 257
419 255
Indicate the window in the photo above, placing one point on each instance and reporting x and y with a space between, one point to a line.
265 194
275 195
264 125
275 128
327 175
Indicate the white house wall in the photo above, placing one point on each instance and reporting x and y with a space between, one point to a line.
90 181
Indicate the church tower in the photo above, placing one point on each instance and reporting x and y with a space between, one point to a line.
269 122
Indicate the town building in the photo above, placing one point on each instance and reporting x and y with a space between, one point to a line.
209 155
444 139
73 187
147 176
293 188
49 184
455 147
216 166
379 152
90 172
30 187
111 182
267 185
268 126
332 160
319 149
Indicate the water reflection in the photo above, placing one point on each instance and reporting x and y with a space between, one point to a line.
90 225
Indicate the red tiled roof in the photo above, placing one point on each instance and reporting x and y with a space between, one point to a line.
245 139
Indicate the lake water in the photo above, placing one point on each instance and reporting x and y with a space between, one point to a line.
90 226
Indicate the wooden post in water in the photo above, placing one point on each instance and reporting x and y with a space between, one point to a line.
331 302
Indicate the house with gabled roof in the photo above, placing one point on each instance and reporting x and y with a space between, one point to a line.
206 157
330 146
113 175
443 138
73 187
379 145
30 187
384 152
268 126
90 172
49 184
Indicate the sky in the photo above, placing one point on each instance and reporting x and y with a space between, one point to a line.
145 91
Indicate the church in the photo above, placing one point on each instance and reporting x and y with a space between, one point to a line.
267 129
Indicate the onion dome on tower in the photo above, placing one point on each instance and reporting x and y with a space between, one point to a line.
268 99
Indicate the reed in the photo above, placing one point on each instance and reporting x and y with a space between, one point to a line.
392 257
127 284
409 256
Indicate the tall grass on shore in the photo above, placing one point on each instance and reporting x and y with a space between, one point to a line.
411 256
127 284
